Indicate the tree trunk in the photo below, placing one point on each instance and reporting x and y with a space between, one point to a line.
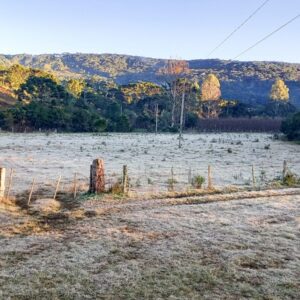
181 118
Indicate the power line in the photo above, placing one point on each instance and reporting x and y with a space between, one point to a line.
267 36
239 27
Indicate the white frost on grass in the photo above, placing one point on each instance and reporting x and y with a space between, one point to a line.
248 248
149 157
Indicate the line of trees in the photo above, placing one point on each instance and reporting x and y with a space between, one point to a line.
45 102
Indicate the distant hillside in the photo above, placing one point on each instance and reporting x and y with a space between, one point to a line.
246 81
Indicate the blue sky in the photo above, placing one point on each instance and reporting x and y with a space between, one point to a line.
185 29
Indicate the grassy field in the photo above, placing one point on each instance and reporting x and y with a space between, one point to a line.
188 248
149 157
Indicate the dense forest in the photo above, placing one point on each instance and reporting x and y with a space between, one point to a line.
64 94
248 82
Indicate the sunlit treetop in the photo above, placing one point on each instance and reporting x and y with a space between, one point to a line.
211 88
279 91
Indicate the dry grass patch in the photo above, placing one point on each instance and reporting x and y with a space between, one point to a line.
157 250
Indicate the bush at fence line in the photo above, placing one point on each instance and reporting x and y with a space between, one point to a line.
198 181
171 182
149 180
291 179
116 188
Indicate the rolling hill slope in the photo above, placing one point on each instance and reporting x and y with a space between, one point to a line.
245 81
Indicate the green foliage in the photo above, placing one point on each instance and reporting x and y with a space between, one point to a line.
32 99
247 81
137 91
291 127
16 75
75 87
43 89
170 183
291 179
198 181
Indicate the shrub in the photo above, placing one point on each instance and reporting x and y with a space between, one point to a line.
171 182
198 181
291 179
291 127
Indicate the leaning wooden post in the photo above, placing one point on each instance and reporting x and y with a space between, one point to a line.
57 186
125 180
284 170
209 179
172 179
253 177
97 178
2 182
9 183
75 186
31 191
190 176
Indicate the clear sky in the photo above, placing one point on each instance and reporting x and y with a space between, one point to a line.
183 29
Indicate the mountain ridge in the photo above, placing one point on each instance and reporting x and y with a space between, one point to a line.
248 81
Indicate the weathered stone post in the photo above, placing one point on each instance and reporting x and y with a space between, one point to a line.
97 179
2 182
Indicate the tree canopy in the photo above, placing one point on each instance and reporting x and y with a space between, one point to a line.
75 87
211 88
279 91
33 99
291 127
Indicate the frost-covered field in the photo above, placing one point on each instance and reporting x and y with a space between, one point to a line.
155 249
149 157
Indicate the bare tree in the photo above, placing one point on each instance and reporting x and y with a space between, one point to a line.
173 71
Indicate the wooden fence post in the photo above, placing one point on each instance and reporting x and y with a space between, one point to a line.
190 176
31 191
97 178
125 180
253 177
9 183
2 182
57 186
172 179
209 179
75 186
284 170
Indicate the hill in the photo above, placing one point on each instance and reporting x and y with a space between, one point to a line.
249 82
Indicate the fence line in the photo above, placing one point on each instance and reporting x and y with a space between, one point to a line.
140 182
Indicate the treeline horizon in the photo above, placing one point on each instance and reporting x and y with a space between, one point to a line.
38 100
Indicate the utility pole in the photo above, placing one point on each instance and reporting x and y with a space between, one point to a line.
181 114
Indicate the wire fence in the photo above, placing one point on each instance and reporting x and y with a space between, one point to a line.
149 181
